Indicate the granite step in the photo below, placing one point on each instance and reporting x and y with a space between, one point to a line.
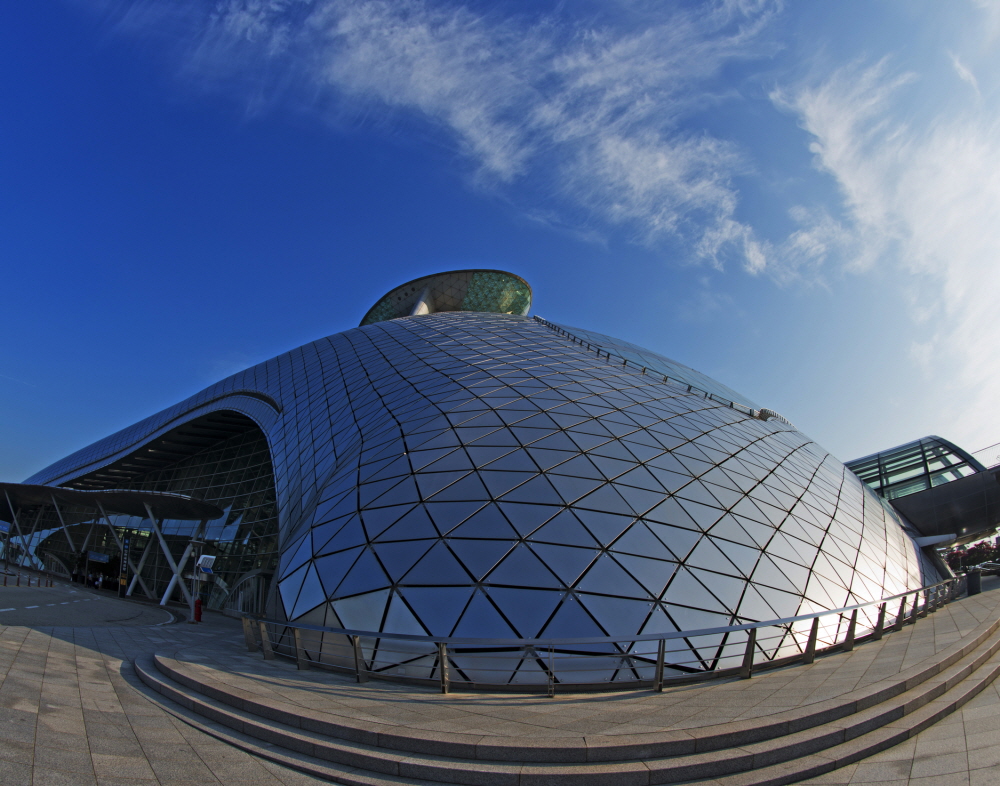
807 742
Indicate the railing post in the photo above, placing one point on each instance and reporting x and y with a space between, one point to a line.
916 608
301 661
901 616
810 654
443 667
248 637
746 670
851 628
265 642
880 625
552 676
360 671
661 649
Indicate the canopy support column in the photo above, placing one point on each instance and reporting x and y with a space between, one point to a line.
175 579
121 547
62 523
20 534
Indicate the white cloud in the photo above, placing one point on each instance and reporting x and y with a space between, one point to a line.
924 197
579 120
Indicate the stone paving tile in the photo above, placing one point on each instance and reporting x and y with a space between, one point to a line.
68 713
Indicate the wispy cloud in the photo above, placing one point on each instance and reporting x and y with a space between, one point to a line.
578 121
924 197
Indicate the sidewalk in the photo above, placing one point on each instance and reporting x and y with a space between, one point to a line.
69 716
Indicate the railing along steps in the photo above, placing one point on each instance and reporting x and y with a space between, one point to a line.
782 748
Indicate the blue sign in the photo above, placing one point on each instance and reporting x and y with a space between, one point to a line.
4 526
93 556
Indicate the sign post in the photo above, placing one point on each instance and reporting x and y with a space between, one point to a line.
123 569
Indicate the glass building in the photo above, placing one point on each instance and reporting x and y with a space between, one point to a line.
453 467
915 466
940 489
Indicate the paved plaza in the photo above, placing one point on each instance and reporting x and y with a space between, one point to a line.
69 715
73 712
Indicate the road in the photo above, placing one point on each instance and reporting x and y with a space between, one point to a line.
73 605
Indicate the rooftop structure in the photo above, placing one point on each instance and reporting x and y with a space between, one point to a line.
453 467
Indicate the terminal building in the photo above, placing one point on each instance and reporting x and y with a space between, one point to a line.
455 467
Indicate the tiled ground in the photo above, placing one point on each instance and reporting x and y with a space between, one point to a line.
69 717
69 713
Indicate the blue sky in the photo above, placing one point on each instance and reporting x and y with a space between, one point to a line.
799 199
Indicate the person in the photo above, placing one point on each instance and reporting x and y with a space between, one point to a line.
100 581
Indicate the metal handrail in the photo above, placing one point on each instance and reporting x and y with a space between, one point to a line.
942 592
759 414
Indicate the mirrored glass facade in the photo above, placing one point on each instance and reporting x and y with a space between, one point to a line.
485 475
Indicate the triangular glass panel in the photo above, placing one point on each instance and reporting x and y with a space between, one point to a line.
638 539
703 515
448 514
334 567
455 461
517 461
298 554
437 608
572 488
606 499
607 576
642 478
577 467
479 556
399 619
350 535
437 566
754 608
537 491
605 527
565 529
499 483
525 517
431 483
366 575
546 459
522 568
571 620
289 589
527 609
639 500
658 622
567 562
679 540
311 594
620 617
653 574
728 589
362 612
586 442
486 523
686 590
743 557
401 493
481 456
415 525
377 520
481 620
468 488
670 512
399 556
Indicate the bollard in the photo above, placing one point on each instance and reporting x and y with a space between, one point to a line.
974 582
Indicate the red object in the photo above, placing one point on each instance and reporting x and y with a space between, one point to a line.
197 610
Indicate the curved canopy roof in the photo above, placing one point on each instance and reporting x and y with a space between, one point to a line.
132 503
493 291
